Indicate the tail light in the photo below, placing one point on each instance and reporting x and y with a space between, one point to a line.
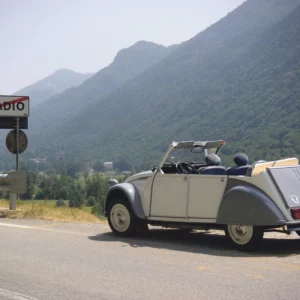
296 213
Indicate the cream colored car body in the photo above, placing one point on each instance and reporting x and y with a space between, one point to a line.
197 199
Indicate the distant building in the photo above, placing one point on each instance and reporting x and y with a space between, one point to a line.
37 160
59 154
108 165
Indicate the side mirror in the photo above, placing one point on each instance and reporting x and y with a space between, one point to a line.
153 168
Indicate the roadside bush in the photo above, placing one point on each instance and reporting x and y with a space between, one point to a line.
91 201
60 203
77 196
40 195
97 210
76 202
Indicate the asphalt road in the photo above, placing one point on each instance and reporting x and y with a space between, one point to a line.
47 260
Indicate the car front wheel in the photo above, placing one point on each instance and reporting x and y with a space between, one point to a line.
121 218
244 237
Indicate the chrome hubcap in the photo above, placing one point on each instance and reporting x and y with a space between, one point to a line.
240 234
120 217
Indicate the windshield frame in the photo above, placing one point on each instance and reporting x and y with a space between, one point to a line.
191 144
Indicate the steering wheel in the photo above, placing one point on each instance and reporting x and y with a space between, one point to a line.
185 168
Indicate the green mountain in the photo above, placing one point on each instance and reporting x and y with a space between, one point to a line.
237 80
128 63
55 83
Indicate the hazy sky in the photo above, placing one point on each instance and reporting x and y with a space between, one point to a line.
41 36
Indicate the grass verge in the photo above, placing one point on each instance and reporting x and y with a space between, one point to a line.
45 210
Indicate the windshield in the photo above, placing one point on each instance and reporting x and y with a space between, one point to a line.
189 155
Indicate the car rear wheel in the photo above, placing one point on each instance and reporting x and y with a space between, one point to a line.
244 237
121 218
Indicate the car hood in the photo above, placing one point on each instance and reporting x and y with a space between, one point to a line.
140 175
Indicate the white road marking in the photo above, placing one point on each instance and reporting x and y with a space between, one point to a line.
42 228
8 295
14 225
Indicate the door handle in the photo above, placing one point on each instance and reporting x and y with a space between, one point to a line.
222 179
185 178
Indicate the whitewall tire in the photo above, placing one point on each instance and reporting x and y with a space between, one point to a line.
121 218
244 237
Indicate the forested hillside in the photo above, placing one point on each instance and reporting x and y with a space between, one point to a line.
237 80
128 63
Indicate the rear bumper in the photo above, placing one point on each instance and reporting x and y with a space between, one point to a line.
292 226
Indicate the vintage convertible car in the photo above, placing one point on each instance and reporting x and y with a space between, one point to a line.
191 190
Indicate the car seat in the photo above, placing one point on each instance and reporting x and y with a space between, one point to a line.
213 162
241 160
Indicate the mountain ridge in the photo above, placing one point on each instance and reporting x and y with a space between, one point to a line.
128 63
191 93
57 82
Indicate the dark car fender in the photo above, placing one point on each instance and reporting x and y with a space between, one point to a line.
247 205
130 192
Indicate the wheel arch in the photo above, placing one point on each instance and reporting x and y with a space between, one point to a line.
249 206
130 193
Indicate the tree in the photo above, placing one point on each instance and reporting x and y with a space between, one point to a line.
77 196
40 195
31 186
98 166
122 165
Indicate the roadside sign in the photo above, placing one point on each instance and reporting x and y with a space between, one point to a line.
14 182
14 113
11 141
14 106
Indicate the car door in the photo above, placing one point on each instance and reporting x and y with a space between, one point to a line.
205 195
169 195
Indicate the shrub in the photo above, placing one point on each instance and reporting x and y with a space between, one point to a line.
60 203
76 202
77 197
91 201
40 195
97 210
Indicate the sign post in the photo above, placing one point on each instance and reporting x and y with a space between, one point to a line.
14 113
17 143
12 196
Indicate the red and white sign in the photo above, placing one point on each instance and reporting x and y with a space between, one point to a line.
14 106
